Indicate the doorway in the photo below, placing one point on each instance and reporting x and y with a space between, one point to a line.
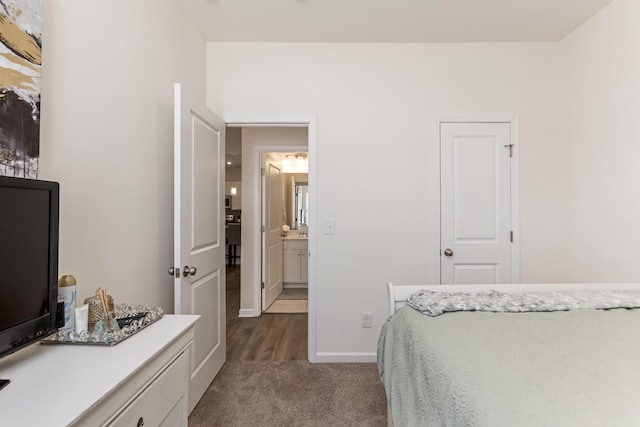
285 230
251 268
478 198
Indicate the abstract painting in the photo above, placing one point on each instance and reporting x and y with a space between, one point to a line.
20 61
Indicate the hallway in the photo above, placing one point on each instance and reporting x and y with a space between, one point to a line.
274 337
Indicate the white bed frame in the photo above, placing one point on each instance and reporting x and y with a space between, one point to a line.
398 294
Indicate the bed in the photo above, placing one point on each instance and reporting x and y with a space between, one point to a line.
471 368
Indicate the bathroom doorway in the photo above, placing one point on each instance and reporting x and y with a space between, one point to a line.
285 230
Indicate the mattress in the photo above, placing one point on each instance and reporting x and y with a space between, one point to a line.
564 368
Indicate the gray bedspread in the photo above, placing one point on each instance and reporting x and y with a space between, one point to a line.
567 368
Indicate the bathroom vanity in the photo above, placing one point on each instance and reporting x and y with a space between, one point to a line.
296 259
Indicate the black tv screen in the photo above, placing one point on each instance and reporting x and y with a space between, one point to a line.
28 261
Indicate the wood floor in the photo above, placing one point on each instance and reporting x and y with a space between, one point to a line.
268 337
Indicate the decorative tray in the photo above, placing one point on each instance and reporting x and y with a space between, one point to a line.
130 319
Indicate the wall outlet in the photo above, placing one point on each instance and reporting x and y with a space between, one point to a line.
367 320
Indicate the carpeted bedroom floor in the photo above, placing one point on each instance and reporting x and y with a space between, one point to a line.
293 393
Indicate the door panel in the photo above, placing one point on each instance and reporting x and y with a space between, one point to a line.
205 233
475 203
465 274
204 292
474 188
272 242
274 272
198 238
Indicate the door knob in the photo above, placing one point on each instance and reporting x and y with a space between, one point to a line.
175 272
189 271
448 252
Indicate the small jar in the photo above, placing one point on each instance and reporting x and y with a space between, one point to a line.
107 323
95 309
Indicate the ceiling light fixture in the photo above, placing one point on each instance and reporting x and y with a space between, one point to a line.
286 163
295 163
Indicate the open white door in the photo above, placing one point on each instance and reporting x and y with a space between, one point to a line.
199 237
272 209
475 203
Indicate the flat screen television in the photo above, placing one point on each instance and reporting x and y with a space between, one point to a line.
28 261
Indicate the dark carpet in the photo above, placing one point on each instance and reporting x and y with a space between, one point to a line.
293 393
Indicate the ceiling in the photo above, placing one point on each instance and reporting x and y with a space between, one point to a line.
389 20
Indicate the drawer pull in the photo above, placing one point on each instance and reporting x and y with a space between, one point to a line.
140 422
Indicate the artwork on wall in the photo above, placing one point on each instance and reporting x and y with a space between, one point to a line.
20 61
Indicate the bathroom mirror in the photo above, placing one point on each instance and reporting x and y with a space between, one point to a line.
301 205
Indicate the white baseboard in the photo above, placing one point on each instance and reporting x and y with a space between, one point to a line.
346 357
247 312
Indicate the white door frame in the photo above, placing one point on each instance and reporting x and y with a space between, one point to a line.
312 144
260 150
513 121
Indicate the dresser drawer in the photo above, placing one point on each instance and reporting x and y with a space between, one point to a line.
162 402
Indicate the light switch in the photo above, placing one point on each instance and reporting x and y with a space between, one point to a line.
367 320
330 226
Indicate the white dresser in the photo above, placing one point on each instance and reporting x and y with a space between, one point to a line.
141 381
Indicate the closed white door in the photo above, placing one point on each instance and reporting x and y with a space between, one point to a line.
199 252
475 203
272 250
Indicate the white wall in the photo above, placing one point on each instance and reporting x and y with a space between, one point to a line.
376 108
253 137
107 136
602 90
376 104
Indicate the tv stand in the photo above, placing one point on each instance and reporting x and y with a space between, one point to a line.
144 379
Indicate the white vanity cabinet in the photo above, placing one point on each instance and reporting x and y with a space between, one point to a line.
143 380
296 261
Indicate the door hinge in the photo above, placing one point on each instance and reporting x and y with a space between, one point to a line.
262 172
262 228
511 236
262 285
510 147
